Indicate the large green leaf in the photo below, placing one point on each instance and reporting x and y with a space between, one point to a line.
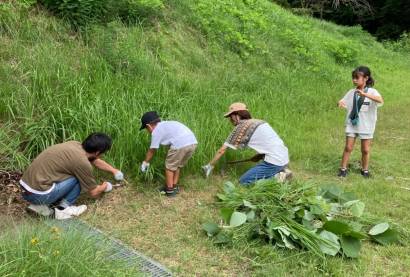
347 196
222 238
356 234
226 214
316 209
221 196
308 216
237 219
229 187
350 246
250 215
337 227
211 228
356 207
388 237
331 246
379 229
249 205
331 192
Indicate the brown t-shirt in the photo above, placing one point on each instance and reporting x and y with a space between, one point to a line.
57 163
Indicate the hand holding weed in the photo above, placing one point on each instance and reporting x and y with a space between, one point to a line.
109 187
207 170
144 166
342 104
119 176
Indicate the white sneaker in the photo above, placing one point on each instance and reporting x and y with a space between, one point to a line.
61 214
75 210
284 176
42 210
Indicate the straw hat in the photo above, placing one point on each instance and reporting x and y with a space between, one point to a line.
236 107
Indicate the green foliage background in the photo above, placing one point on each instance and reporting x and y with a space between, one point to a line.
189 63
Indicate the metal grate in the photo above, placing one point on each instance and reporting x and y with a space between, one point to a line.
118 249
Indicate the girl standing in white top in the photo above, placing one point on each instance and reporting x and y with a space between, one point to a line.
361 104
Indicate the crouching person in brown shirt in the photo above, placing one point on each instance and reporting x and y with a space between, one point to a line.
58 175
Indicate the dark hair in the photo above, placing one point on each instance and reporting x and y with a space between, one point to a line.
243 114
155 121
97 142
364 71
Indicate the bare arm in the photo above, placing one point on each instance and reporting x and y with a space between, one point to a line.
218 155
98 190
377 99
149 155
103 165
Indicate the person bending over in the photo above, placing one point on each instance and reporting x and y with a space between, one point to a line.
57 176
182 144
259 136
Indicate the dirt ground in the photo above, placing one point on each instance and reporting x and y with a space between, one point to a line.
11 202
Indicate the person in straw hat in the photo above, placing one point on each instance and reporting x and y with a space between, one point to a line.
259 136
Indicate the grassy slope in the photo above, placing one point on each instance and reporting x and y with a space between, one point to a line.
55 85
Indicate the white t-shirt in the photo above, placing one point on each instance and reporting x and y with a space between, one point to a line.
367 113
266 141
172 133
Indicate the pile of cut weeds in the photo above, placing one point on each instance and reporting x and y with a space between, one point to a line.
11 202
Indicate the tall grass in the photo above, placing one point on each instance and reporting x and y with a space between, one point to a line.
59 85
33 249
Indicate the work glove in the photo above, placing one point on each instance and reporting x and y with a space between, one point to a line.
109 187
119 176
207 170
144 166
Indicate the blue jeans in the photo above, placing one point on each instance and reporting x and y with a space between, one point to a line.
264 170
65 192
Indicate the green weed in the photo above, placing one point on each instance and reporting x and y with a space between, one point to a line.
32 249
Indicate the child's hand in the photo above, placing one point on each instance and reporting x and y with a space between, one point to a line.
342 104
207 170
361 93
144 166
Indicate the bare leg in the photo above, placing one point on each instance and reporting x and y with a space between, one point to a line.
176 176
169 178
365 143
347 151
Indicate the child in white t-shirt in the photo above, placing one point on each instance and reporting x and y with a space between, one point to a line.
361 104
182 144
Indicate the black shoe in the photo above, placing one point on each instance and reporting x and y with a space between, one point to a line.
164 189
365 173
168 192
342 172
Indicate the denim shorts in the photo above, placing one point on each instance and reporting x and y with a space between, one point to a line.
359 135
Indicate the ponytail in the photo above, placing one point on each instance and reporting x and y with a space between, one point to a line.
370 82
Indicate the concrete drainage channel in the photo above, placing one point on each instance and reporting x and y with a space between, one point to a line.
118 249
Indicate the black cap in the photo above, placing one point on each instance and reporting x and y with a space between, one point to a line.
147 118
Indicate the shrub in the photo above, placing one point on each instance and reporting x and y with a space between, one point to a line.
401 45
78 12
82 12
131 11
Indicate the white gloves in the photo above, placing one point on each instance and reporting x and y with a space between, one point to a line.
207 170
119 176
109 187
144 166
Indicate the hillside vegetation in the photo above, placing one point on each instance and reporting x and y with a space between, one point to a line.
189 62
64 74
